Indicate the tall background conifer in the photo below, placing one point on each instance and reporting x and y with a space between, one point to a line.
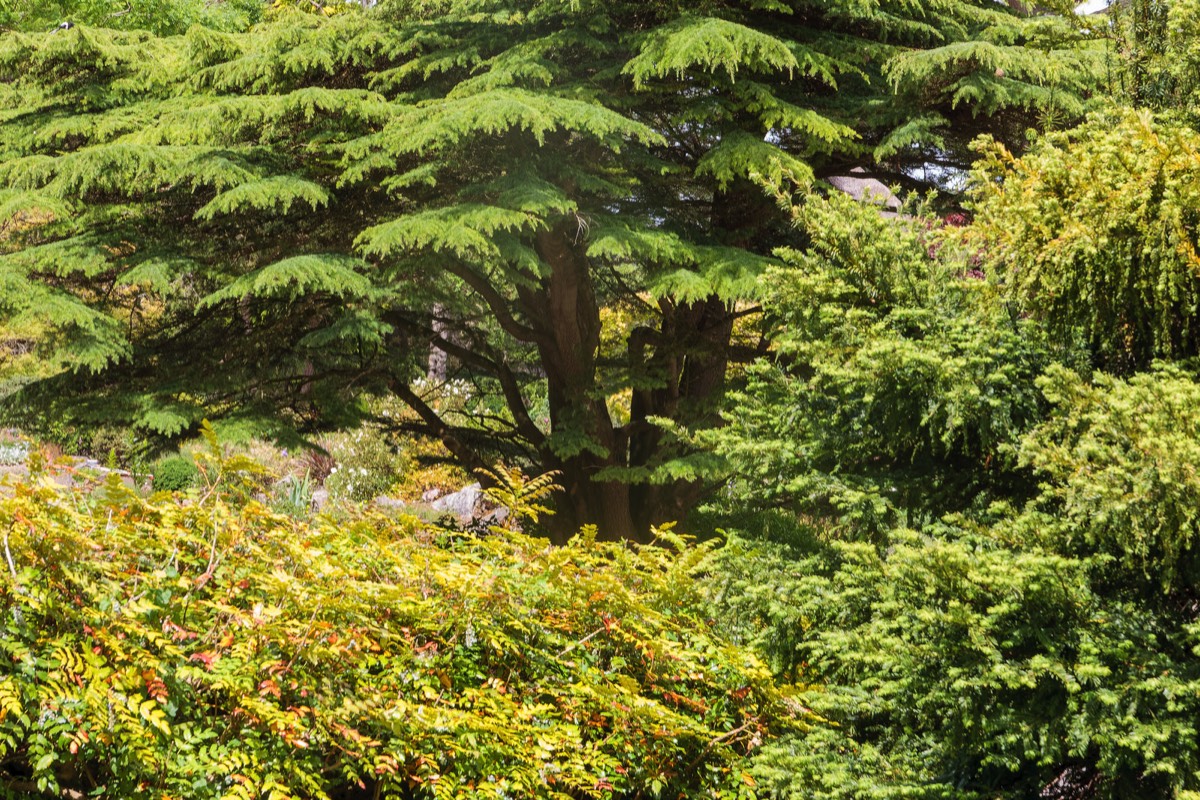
571 199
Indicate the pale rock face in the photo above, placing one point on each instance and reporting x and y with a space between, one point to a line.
320 498
497 516
462 504
390 503
865 189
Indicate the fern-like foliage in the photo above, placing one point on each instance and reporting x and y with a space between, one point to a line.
217 650
279 192
522 495
1045 68
296 277
708 44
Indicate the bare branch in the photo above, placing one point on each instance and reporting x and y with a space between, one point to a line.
508 383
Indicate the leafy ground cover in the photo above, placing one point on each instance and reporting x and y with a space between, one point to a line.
198 646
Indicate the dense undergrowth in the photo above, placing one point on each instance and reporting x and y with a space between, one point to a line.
202 646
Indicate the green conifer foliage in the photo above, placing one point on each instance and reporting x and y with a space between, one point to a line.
962 662
898 385
1153 58
268 224
992 593
1095 232
159 16
1121 457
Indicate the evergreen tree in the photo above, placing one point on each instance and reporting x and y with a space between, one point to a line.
566 197
897 387
978 552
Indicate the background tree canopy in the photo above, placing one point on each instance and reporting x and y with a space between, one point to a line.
158 16
570 199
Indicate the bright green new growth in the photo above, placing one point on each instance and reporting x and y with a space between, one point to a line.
1095 230
1122 459
160 16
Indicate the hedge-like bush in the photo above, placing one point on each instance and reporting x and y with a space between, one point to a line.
175 474
173 648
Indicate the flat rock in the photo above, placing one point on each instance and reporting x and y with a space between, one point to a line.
67 477
390 503
497 516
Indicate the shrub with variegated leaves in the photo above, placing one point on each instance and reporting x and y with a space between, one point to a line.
188 647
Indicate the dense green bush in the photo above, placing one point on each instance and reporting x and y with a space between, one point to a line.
175 474
967 662
895 373
1122 463
978 554
1094 232
108 443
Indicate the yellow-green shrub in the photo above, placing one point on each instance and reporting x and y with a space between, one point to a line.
192 648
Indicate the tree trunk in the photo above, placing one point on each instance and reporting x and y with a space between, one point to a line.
686 357
690 359
438 359
607 505
584 440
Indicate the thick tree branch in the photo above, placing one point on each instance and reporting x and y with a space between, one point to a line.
493 365
438 426
744 354
508 384
497 303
